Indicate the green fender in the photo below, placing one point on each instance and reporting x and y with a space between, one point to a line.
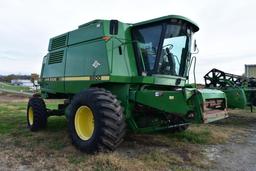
236 98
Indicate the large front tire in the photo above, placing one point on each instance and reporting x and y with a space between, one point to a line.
96 122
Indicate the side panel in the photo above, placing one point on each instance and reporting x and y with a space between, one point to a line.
120 52
84 61
167 101
86 33
53 68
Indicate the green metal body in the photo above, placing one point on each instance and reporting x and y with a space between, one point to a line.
236 98
101 53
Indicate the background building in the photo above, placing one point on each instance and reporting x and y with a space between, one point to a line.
250 70
26 83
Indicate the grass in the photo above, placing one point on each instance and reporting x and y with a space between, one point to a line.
52 149
9 121
8 86
203 134
202 137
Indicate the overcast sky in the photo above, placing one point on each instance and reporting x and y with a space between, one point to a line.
226 38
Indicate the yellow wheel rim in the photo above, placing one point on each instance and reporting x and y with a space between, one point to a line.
30 116
84 122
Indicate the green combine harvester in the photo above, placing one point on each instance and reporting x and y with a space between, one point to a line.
240 90
116 76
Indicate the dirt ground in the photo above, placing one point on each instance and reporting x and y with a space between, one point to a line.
9 97
228 144
240 151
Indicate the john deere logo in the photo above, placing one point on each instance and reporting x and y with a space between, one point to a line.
96 64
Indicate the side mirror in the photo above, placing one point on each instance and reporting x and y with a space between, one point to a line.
195 46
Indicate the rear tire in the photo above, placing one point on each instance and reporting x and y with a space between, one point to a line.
96 121
36 114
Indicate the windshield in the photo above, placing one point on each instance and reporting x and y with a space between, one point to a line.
162 48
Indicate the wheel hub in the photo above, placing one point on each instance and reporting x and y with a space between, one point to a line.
30 116
84 122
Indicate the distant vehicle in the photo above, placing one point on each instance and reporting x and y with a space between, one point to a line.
24 83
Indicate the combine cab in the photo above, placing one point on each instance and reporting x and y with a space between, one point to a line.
114 76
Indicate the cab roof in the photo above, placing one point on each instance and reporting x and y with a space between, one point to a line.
194 25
